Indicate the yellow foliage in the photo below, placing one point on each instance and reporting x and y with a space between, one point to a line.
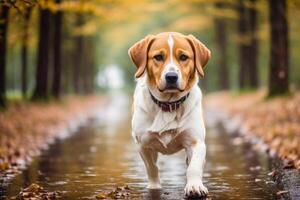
228 13
191 23
88 28
83 7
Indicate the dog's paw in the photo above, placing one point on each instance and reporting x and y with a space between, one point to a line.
154 186
195 189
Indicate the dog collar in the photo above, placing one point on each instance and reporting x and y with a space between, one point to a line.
169 106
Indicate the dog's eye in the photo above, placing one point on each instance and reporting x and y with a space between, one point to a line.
183 57
159 57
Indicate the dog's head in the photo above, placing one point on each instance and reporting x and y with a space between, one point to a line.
172 60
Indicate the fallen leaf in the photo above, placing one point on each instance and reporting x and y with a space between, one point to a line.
257 180
282 192
119 192
101 196
272 173
256 168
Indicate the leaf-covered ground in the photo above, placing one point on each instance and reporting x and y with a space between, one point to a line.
27 127
276 121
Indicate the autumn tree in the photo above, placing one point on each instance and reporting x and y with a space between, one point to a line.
4 9
279 57
221 41
24 51
78 60
89 66
56 81
253 46
248 44
41 78
243 49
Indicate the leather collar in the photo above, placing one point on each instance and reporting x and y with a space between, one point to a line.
169 106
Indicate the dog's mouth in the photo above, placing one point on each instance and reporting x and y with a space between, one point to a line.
170 88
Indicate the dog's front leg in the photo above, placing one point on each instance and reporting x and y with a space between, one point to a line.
196 159
150 157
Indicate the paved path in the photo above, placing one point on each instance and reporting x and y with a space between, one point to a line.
102 155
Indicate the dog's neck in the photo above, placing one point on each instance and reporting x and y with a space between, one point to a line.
169 106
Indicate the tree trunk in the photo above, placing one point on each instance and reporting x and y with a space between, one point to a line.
78 53
221 39
243 47
279 65
88 60
91 66
77 79
24 52
3 38
67 62
41 85
92 71
56 84
253 48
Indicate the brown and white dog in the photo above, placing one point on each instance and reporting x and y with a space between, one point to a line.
167 110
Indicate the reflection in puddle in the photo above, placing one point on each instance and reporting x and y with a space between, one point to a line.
103 155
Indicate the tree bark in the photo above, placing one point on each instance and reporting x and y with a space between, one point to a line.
78 53
243 47
91 64
253 48
41 85
24 52
56 84
279 58
3 40
67 62
221 39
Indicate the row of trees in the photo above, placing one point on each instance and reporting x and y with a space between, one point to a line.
247 29
66 40
57 67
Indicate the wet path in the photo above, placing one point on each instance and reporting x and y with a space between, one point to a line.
102 155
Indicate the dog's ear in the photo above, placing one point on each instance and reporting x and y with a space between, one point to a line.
201 54
139 54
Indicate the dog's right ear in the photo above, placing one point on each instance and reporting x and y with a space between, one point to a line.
139 54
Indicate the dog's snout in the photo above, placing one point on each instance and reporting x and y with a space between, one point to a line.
171 77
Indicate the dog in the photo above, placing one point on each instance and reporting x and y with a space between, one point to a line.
167 108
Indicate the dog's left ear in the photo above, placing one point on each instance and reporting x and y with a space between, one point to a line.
139 54
201 54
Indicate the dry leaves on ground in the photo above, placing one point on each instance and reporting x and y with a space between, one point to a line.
120 192
276 121
36 192
25 127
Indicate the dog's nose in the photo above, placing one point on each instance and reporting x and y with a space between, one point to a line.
171 77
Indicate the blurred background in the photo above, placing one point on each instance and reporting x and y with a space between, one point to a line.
68 50
50 48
